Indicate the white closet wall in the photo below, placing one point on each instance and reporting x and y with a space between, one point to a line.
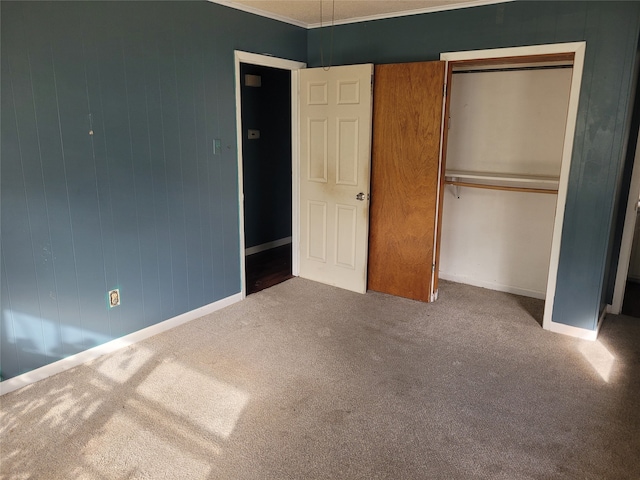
503 122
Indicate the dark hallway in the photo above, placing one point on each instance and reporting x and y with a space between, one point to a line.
268 268
631 303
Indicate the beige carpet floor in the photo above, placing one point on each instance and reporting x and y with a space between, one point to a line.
305 381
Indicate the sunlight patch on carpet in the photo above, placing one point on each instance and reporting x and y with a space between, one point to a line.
121 367
599 357
201 399
126 449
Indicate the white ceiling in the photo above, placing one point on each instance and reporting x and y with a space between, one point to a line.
316 13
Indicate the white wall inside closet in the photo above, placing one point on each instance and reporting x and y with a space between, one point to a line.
504 122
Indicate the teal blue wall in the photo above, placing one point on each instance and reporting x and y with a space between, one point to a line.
143 204
620 208
611 31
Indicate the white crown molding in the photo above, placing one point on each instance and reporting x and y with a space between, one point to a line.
367 18
261 13
383 16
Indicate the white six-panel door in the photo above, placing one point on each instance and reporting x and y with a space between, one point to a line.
335 164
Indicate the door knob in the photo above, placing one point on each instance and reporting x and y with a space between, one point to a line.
360 196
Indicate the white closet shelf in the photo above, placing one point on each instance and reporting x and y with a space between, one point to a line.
502 181
552 182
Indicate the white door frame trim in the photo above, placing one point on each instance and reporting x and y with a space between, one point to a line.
578 49
293 66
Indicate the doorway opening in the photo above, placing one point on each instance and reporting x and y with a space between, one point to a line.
631 300
266 164
626 295
626 289
267 142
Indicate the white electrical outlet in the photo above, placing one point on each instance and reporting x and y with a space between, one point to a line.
114 298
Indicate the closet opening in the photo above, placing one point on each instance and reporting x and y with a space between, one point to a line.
504 167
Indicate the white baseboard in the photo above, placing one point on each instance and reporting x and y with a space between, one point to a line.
267 246
492 286
577 332
95 352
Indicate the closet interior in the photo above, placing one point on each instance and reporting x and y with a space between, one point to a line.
505 138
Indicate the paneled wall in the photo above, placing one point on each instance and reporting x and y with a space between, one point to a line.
610 29
108 176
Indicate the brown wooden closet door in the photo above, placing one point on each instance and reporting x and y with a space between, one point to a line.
407 113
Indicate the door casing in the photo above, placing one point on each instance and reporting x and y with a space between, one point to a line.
293 66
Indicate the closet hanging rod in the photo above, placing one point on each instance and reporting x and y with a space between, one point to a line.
500 187
510 69
489 177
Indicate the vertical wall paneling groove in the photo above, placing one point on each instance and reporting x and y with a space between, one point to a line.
21 144
74 337
45 264
197 100
103 176
90 124
150 257
211 65
163 220
135 245
180 239
39 59
108 177
19 211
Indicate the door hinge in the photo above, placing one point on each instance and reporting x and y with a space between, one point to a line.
433 268
444 90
